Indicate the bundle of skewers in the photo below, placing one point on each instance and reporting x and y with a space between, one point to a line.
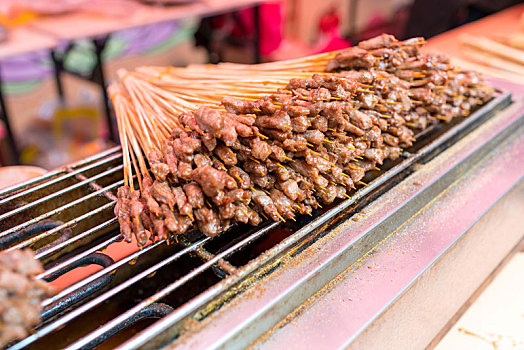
208 147
501 56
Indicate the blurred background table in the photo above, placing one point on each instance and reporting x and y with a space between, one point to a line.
19 41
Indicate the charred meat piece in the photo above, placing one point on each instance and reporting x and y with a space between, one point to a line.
184 207
239 106
194 195
241 177
122 211
169 219
314 136
151 203
213 122
260 149
290 188
381 41
255 167
226 154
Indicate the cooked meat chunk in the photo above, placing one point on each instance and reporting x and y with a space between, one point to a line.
226 155
162 193
283 204
239 106
280 121
266 204
208 221
241 177
194 195
210 179
21 294
378 42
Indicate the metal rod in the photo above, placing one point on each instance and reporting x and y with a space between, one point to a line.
100 273
256 33
58 179
32 230
156 310
57 229
95 258
225 267
58 67
48 252
80 294
74 259
60 209
222 264
60 192
65 234
96 187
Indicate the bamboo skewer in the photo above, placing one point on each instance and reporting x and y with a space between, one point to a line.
494 48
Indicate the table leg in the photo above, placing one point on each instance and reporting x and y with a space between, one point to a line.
99 73
5 118
58 66
256 34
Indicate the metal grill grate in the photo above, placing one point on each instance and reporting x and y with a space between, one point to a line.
67 217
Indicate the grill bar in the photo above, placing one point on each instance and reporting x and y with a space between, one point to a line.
66 225
72 260
54 249
60 209
100 273
223 265
56 180
61 192
97 187
156 310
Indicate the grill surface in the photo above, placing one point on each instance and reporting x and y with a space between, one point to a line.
110 290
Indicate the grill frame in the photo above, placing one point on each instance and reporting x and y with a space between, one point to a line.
235 276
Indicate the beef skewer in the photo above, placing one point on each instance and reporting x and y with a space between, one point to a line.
302 139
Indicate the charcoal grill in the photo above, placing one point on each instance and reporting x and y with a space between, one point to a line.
201 291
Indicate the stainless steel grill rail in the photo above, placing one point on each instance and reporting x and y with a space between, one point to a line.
79 201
